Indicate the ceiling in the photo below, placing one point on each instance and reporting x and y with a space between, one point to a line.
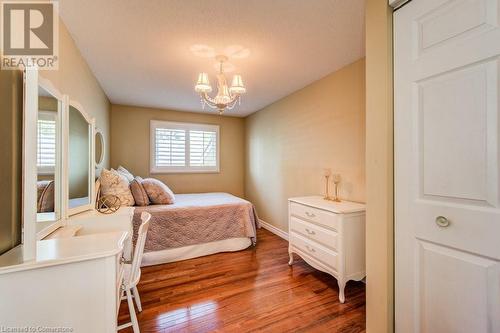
148 53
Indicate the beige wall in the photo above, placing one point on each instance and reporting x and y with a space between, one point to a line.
290 142
130 148
47 103
75 79
379 171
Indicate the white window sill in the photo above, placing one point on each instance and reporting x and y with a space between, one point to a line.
173 171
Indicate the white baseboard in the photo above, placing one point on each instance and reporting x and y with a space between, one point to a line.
273 229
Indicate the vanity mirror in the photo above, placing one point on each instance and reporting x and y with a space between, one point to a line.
80 159
48 157
99 148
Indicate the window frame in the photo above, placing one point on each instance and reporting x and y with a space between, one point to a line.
154 124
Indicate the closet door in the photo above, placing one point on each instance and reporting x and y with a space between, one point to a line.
447 170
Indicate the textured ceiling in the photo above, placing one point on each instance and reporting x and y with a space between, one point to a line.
148 52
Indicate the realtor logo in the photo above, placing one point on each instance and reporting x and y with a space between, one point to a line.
29 34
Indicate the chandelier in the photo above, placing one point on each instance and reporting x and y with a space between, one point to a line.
226 97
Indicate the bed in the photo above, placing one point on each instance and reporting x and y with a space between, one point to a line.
197 225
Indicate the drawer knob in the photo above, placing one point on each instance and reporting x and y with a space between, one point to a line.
442 221
310 232
310 248
310 214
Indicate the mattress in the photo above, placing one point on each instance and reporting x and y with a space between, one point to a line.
196 219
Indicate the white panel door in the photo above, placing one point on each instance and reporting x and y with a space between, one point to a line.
447 166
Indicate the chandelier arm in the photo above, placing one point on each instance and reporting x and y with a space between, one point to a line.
232 104
209 100
211 105
234 98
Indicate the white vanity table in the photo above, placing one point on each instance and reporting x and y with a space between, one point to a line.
75 278
92 222
68 270
73 282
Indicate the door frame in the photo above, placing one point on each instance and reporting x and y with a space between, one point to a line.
379 168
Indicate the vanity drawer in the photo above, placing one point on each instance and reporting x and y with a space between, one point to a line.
326 256
321 217
326 237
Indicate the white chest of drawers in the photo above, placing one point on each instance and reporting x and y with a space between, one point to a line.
330 236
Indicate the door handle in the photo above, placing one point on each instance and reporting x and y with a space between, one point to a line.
442 221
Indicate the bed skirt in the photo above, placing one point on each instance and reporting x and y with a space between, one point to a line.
194 251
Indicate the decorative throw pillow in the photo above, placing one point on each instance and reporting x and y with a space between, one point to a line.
114 183
46 192
121 170
158 192
140 196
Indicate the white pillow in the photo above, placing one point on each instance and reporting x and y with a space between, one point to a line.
121 170
114 183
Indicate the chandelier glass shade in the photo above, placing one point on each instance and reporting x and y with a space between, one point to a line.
226 97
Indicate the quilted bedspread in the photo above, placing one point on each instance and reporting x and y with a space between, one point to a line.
197 218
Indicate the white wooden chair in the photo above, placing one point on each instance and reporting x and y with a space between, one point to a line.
132 275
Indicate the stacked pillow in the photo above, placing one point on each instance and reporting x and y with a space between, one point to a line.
124 172
139 193
135 190
158 192
114 183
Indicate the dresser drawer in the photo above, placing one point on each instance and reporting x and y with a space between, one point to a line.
315 250
326 237
321 217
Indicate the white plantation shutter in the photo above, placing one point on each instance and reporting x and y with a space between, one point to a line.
203 148
170 148
46 142
184 147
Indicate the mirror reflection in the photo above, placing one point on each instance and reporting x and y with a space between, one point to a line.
79 159
48 160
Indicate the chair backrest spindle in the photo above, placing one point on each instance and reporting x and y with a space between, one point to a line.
135 273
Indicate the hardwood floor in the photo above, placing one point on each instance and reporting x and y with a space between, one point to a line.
248 291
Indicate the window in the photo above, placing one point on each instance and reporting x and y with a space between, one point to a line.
46 142
184 147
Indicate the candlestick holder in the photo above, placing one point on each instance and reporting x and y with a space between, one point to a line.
327 173
327 190
336 182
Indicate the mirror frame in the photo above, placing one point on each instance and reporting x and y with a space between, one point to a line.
30 234
29 197
99 164
45 228
91 123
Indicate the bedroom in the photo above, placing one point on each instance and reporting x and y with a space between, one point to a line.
175 166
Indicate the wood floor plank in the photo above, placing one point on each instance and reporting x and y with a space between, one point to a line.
247 291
